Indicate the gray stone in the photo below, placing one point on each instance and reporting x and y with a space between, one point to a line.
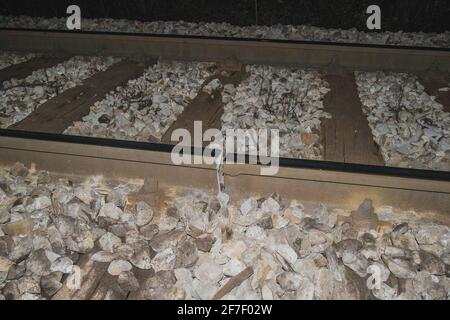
368 239
385 292
84 194
186 254
279 222
118 197
119 229
5 264
21 247
405 241
324 285
19 170
77 211
305 291
144 213
430 234
4 215
142 255
384 272
39 203
270 205
40 242
289 280
111 211
39 263
357 262
161 287
209 272
116 267
365 209
233 267
124 251
350 245
248 206
62 264
256 233
371 252
428 287
401 268
185 282
172 212
109 242
28 284
56 240
265 223
103 256
317 237
399 230
205 242
161 279
16 271
149 231
164 260
267 293
234 249
395 252
348 232
166 239
287 253
431 263
11 291
352 286
306 267
172 293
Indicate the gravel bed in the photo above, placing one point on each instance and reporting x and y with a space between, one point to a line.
410 127
192 246
284 32
289 100
146 107
10 58
20 97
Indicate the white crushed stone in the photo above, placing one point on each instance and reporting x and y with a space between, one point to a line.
146 107
20 97
288 100
410 127
10 58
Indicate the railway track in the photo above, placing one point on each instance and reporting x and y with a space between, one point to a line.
351 170
334 59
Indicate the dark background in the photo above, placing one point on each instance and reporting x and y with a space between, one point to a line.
406 15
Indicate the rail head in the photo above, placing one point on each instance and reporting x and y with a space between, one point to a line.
160 154
342 189
251 51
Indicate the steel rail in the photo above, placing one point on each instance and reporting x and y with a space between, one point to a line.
283 162
343 189
250 51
